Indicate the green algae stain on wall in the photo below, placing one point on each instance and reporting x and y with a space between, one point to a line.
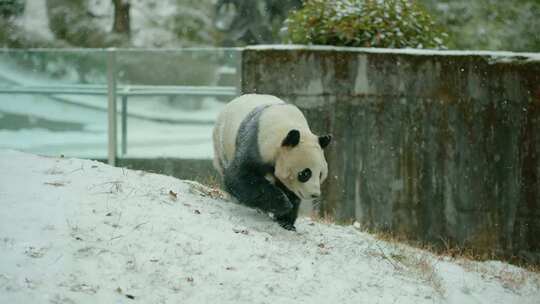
440 147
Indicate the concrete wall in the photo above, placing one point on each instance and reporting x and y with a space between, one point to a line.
438 146
200 170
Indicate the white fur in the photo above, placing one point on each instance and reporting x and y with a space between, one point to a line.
228 123
274 125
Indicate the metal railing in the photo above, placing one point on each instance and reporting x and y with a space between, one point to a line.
112 90
122 90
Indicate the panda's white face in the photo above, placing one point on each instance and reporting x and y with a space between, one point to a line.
301 166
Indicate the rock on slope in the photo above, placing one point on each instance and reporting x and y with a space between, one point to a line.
79 231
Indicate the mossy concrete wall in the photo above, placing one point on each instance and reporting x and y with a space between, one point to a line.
443 147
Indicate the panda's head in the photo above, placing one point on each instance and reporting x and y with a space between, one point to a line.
300 163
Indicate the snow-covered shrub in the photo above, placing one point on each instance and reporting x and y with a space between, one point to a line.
364 23
70 21
192 23
489 24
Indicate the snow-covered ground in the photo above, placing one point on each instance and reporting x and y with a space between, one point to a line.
150 20
35 20
78 231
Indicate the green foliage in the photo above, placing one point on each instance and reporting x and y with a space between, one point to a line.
192 24
70 22
364 23
243 22
11 8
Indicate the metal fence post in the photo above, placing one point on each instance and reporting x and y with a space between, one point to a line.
111 107
239 63
124 124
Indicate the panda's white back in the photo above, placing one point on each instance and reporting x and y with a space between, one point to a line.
276 123
228 123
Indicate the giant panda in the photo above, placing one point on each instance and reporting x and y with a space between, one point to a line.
268 157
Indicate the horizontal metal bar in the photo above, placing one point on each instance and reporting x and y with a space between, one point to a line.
176 93
142 93
127 50
125 91
52 92
121 87
169 87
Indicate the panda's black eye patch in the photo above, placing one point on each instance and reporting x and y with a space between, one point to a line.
304 175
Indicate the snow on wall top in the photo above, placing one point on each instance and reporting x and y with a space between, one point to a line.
499 55
502 55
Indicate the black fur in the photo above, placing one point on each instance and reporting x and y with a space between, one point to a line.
325 140
292 139
287 220
244 178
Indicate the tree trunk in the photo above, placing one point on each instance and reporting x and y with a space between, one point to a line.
121 17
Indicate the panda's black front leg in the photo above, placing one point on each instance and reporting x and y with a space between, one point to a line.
253 190
287 220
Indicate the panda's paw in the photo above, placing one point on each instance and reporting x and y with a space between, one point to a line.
287 226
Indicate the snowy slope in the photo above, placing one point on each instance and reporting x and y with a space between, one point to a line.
78 231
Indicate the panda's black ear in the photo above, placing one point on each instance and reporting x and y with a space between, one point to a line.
325 140
292 139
